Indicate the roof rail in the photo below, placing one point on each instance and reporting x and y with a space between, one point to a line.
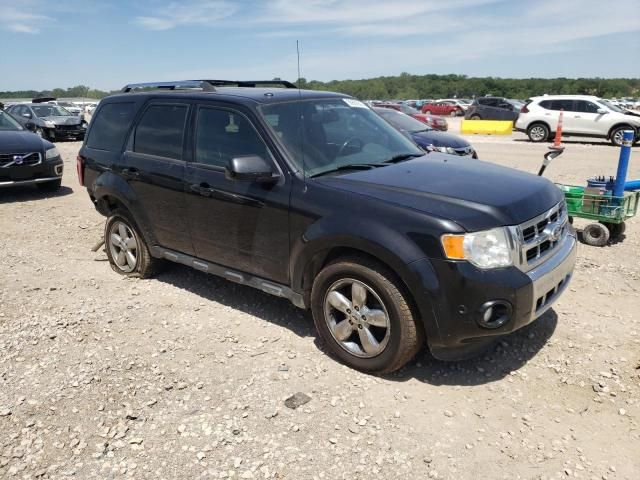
205 85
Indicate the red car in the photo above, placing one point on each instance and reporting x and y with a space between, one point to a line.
434 122
442 108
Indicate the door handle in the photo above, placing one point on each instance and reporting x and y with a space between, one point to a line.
577 116
203 189
131 172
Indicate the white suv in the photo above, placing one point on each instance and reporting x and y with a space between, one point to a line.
584 115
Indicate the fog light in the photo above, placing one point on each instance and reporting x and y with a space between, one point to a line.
58 169
494 314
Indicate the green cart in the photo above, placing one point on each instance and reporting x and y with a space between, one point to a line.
610 212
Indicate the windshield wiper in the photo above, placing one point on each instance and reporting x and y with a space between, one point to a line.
352 166
402 157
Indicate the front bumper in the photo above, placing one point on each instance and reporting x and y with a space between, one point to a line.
66 132
46 171
464 292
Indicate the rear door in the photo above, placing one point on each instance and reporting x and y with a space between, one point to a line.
154 167
238 224
569 115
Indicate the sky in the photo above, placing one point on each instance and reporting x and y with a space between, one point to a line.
106 44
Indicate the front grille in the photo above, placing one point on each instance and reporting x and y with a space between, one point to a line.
540 236
19 159
68 127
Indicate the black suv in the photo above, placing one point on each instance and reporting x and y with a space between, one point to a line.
312 196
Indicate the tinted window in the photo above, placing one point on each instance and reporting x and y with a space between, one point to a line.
546 104
489 102
110 125
222 135
586 107
566 105
161 130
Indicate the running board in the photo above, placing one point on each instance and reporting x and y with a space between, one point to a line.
266 286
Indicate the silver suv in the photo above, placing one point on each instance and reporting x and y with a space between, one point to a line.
584 115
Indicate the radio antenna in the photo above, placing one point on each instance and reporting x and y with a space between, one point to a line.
302 122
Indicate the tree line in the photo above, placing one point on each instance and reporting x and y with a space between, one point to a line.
408 86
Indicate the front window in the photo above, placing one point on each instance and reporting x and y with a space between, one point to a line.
7 123
50 111
325 135
611 106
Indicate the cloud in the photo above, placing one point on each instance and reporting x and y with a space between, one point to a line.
189 12
22 19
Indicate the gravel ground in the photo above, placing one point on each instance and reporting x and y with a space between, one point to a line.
185 376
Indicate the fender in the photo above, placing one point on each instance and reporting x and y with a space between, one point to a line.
396 250
112 185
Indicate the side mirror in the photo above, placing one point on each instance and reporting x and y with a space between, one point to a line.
30 126
26 115
251 168
602 111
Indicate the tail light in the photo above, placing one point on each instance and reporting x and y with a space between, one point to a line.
80 168
524 109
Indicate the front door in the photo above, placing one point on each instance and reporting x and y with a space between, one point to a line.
586 117
242 225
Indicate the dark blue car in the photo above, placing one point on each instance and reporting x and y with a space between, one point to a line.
427 138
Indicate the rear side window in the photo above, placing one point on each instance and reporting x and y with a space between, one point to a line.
160 131
566 105
110 126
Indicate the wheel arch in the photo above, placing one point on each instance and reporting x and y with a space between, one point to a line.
621 124
111 192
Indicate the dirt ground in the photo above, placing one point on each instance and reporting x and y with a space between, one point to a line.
185 376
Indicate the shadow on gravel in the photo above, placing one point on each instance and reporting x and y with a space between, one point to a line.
509 354
30 192
276 310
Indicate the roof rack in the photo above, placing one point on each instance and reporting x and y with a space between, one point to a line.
204 85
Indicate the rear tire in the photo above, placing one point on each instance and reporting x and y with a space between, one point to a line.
53 186
427 112
538 132
376 331
596 235
475 117
127 250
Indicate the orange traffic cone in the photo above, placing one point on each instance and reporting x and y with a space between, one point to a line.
558 140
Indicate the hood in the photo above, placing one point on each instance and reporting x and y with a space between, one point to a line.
21 142
477 195
439 139
63 120
632 114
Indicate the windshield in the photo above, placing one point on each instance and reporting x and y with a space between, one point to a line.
50 111
7 123
323 135
611 106
402 121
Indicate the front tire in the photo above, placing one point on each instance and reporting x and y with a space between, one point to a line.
538 132
616 135
127 251
475 117
364 316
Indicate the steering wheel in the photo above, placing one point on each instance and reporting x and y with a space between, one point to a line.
347 143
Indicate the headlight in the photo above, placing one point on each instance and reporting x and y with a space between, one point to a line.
488 249
49 124
51 153
433 148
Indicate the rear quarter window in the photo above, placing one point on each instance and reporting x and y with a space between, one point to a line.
110 125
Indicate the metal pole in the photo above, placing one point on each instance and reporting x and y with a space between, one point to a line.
623 163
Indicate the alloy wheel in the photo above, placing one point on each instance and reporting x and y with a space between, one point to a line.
537 133
123 246
357 318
